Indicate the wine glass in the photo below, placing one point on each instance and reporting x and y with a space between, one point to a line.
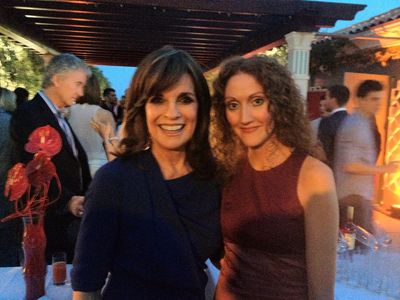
381 235
366 238
341 246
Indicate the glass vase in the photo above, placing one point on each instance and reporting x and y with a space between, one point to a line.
34 267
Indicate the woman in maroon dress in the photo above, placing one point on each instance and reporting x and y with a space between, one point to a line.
279 207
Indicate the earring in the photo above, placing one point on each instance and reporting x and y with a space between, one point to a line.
147 145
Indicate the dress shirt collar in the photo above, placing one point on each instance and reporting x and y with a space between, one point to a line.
338 109
59 112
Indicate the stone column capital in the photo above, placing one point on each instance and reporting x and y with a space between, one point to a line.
299 40
299 47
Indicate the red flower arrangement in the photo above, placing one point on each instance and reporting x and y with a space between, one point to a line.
34 179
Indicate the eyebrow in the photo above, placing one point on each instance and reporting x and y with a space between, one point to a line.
187 93
258 94
179 95
252 95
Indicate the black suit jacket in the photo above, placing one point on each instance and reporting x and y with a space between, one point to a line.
60 225
327 132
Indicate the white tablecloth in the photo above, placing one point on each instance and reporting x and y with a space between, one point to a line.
342 291
12 285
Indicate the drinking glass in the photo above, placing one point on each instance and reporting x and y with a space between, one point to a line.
59 268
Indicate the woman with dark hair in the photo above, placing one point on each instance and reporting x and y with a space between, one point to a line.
279 212
22 95
151 216
93 125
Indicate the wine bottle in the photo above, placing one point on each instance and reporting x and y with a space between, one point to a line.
349 229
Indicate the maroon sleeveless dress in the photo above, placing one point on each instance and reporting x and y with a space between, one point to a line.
263 228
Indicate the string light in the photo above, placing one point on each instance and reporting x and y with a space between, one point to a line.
392 181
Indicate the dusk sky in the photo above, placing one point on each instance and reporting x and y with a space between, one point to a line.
120 77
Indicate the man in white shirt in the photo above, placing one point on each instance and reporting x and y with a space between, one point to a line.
356 150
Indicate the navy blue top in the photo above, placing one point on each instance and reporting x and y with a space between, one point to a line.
152 235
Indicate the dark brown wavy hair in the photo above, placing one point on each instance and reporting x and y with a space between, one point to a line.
159 71
286 106
91 93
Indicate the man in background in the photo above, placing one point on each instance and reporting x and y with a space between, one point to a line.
357 147
22 95
316 122
335 102
63 82
110 102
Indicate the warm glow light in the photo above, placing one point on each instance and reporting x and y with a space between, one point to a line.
59 18
57 10
392 181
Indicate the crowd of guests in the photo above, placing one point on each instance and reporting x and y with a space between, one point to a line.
67 80
352 144
154 186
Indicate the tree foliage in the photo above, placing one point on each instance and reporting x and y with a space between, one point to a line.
19 67
103 81
22 67
332 55
280 53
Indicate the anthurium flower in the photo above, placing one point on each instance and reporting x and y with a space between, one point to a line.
45 142
44 139
40 170
17 182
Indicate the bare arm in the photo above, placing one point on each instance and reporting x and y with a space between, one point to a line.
351 148
318 196
86 296
366 169
103 122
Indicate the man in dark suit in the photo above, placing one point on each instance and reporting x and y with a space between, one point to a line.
336 99
110 101
64 80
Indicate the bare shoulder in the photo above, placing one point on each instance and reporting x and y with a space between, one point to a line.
315 173
316 181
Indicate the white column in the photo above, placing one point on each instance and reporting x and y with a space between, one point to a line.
299 46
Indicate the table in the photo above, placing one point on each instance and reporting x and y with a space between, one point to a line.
342 291
12 285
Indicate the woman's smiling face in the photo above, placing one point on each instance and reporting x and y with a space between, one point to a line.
171 116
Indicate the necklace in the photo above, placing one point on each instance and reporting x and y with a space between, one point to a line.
270 157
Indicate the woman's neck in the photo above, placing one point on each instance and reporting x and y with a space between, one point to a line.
173 164
271 154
